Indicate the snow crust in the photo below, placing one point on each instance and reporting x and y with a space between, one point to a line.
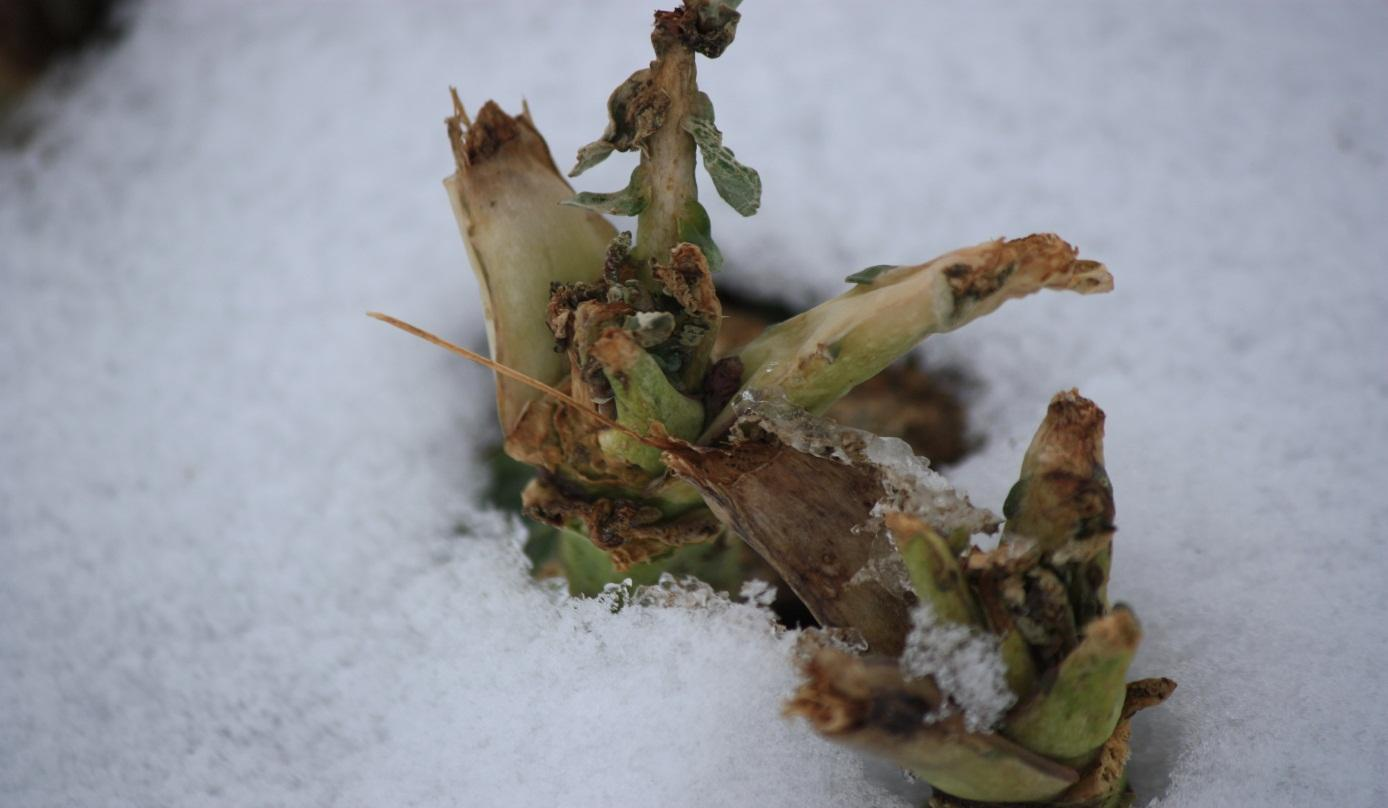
229 568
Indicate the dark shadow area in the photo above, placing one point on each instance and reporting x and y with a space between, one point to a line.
35 37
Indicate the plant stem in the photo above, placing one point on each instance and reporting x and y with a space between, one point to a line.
668 156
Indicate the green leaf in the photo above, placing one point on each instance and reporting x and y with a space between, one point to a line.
629 201
870 274
695 228
739 185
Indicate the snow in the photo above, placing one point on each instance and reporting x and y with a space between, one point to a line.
965 663
229 570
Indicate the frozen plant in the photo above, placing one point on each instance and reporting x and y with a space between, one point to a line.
1011 687
997 676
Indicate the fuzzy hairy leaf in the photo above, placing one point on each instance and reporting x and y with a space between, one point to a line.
590 155
629 201
739 185
695 228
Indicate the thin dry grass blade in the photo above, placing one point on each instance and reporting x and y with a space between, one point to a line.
512 374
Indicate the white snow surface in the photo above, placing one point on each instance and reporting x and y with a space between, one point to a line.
229 573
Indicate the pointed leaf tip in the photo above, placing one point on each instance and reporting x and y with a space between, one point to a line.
870 274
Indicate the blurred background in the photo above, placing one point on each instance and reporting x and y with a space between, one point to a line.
245 557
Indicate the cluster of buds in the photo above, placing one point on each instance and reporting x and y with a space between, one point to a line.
1010 685
998 676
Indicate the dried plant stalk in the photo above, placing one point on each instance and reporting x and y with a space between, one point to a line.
801 512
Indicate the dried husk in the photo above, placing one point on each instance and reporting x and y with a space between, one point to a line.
800 513
812 511
506 196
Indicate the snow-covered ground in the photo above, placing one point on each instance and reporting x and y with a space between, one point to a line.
229 570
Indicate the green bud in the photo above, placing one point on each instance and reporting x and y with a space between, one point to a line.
934 570
1072 718
1063 501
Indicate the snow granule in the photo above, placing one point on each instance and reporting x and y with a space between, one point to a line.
965 663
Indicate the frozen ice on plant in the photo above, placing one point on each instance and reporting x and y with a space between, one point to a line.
909 485
884 566
965 663
792 426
